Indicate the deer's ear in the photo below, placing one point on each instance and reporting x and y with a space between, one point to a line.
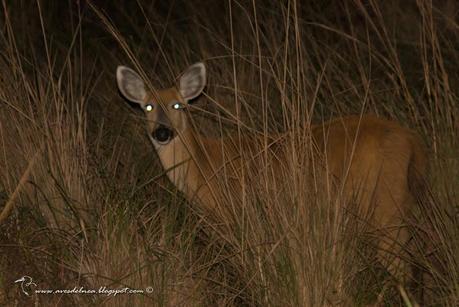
193 81
130 85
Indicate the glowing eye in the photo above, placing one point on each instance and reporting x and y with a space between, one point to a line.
177 106
149 107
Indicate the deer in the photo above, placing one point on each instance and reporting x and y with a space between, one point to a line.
381 159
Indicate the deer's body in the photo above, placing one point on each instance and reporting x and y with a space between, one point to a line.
373 161
374 158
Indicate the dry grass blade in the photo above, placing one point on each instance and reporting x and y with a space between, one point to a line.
9 205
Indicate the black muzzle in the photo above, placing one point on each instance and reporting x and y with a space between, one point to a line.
163 134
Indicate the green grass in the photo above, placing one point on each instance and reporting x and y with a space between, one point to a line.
90 205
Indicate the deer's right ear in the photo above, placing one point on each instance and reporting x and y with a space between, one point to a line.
130 85
193 81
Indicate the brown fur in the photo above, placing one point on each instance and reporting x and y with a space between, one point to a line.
375 161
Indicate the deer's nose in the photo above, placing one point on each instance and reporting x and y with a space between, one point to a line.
163 134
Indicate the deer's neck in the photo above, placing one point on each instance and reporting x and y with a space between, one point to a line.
180 160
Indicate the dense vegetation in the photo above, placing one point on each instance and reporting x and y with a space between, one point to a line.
83 198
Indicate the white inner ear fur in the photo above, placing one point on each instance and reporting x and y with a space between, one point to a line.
130 85
193 81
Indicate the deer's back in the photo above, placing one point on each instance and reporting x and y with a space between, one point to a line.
374 159
369 159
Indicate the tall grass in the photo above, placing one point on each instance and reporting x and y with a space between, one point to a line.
88 202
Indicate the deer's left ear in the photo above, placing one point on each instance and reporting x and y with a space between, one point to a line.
130 85
193 81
